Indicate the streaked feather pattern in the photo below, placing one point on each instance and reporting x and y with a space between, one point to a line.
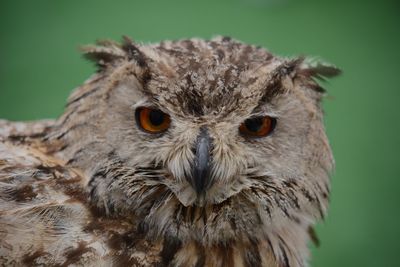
91 189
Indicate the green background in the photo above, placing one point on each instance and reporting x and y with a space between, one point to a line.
39 66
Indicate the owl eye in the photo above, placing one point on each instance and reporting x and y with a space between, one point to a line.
152 120
258 126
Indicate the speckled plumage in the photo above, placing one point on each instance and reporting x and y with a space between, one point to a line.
91 188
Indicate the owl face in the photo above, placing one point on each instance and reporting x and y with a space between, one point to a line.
201 139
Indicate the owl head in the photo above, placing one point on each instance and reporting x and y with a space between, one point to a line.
210 140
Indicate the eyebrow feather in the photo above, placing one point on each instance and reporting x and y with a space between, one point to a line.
274 86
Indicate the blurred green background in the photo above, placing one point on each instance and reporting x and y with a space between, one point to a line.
40 65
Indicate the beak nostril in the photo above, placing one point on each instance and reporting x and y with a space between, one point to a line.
193 149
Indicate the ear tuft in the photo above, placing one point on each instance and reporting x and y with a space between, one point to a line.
133 51
319 68
104 53
313 68
107 52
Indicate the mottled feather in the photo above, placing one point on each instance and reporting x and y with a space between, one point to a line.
92 189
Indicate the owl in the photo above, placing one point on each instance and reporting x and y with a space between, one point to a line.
181 153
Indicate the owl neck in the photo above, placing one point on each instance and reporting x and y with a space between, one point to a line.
277 249
173 251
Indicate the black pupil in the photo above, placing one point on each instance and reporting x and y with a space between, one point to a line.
254 125
156 117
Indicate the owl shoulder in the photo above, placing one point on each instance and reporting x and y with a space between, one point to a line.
39 199
45 215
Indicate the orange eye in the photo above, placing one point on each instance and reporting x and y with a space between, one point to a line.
258 126
152 120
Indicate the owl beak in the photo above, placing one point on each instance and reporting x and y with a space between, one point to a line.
200 179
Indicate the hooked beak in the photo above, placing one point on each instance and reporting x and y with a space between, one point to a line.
200 178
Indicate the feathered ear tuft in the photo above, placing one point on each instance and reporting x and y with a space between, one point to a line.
103 53
107 52
133 51
316 68
319 68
